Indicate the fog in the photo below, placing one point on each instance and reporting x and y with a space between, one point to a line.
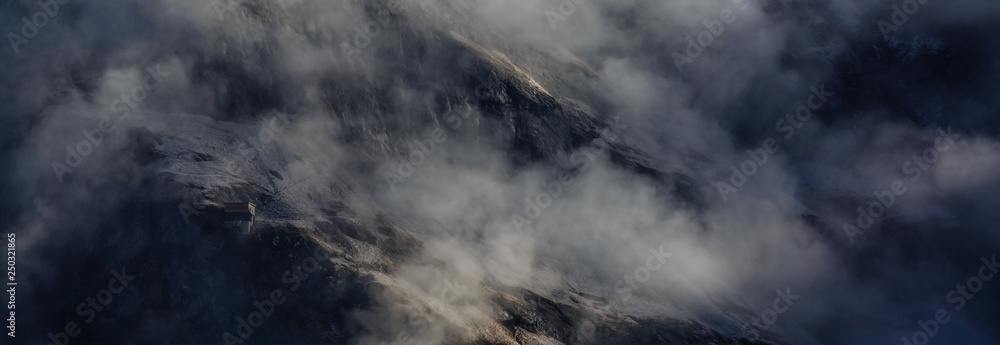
359 89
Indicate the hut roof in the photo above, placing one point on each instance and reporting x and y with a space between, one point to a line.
240 207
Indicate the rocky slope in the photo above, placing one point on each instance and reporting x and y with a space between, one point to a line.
486 173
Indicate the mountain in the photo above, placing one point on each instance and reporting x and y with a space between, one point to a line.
501 172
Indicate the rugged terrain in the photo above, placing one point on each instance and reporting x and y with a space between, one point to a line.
482 173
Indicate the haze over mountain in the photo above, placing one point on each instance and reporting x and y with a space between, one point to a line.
503 172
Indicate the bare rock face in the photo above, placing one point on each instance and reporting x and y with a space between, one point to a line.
445 172
324 256
324 243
